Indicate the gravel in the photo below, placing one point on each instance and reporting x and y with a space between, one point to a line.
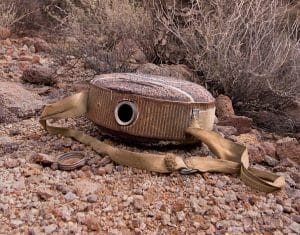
104 198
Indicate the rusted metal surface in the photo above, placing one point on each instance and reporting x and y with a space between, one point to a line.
164 106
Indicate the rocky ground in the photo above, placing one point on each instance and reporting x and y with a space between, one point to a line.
105 198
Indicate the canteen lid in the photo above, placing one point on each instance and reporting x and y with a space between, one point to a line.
156 87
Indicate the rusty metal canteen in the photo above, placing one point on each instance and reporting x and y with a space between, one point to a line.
149 107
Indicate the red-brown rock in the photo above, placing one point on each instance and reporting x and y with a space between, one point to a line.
226 130
92 223
224 107
288 148
241 123
39 75
39 44
255 149
269 148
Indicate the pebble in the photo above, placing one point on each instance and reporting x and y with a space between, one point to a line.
230 196
92 198
50 228
70 196
138 202
11 163
92 223
295 227
166 219
180 216
16 223
271 161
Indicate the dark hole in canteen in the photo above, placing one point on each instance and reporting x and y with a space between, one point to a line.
125 113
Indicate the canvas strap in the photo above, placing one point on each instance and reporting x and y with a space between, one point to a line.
231 157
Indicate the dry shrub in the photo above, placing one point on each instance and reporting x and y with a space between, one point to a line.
249 46
37 14
98 28
7 14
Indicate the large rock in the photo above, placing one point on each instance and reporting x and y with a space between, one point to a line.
288 148
227 117
39 75
17 102
179 71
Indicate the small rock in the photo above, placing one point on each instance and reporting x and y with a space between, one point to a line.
271 161
180 216
44 159
230 196
32 49
92 223
32 169
241 123
166 219
178 205
296 218
108 208
50 228
80 217
218 192
109 168
138 202
15 223
269 148
39 74
41 45
14 132
101 171
196 225
114 232
11 163
44 194
70 196
104 161
295 227
226 130
92 198
35 59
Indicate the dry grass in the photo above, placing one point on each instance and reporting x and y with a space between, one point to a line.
98 30
249 46
8 14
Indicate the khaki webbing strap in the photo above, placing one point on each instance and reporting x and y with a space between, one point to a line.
233 158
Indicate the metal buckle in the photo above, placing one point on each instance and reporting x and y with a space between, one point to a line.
187 171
